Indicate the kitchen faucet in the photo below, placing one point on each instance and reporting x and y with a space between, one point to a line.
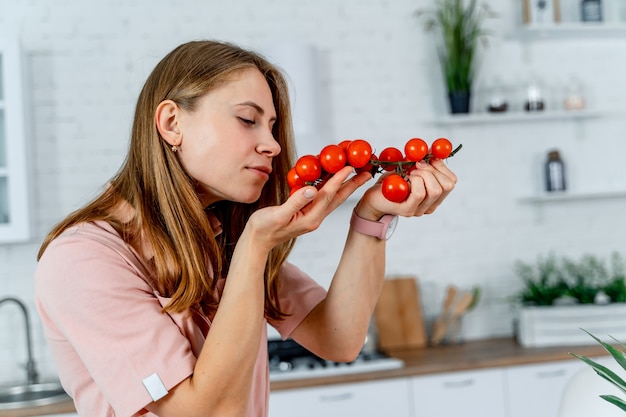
31 371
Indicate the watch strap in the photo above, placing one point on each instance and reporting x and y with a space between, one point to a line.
376 229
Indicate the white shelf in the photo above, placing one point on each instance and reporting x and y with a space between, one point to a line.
561 197
514 117
570 30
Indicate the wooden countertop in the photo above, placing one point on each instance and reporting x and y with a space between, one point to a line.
60 408
479 354
486 353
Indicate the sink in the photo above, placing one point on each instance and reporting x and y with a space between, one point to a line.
32 395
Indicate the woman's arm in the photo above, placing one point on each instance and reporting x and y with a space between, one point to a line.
222 376
337 327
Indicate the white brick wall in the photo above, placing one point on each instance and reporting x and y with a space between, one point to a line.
87 61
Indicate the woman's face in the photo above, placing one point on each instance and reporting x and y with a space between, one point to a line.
227 143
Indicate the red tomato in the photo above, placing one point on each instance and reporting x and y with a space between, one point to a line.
369 167
294 180
390 154
293 190
344 144
416 149
359 153
441 148
333 158
395 188
308 168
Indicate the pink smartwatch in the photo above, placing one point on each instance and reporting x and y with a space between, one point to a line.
382 229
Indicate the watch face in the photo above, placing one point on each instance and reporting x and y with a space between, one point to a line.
392 226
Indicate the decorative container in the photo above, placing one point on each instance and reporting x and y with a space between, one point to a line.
539 326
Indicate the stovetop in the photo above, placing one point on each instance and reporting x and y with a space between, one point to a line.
288 361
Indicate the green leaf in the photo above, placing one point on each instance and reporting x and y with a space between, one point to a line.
618 355
615 401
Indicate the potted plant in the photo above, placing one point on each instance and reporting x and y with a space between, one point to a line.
559 296
459 27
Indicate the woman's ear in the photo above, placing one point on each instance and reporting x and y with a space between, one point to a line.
167 122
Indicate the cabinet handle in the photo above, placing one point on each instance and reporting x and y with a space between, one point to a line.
459 384
336 397
551 374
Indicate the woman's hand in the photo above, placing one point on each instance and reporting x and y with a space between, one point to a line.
304 211
430 182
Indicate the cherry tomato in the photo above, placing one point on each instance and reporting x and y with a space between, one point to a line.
293 190
441 148
390 154
359 153
344 144
395 188
332 158
294 180
416 149
369 167
308 168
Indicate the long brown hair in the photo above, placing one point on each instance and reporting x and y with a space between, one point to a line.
168 213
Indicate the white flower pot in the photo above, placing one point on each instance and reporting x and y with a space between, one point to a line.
561 325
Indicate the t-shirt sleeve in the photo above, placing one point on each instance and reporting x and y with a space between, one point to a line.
103 321
298 296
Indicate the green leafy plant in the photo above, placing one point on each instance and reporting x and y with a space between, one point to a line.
581 281
606 373
459 28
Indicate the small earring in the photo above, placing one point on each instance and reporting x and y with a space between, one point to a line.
174 148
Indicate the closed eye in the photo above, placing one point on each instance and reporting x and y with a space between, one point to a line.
247 121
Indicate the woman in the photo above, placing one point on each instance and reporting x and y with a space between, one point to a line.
155 296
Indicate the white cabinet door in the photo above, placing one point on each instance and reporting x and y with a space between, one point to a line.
385 398
477 393
536 390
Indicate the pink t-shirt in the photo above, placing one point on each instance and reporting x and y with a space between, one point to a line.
108 336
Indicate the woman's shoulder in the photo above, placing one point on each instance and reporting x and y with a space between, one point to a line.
91 240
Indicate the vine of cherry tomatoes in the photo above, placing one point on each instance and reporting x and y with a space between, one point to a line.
317 169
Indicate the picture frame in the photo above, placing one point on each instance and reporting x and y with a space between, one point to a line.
541 12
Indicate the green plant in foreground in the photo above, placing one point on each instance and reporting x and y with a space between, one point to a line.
606 373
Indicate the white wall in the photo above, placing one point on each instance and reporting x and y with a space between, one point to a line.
86 61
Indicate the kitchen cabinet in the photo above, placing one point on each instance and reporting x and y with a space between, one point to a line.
14 190
381 398
536 390
471 393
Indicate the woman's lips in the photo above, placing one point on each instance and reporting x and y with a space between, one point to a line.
262 171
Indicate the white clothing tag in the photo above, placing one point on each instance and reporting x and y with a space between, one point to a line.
155 387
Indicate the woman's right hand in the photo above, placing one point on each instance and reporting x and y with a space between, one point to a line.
304 211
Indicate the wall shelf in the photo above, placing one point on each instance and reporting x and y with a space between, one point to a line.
515 117
570 30
547 198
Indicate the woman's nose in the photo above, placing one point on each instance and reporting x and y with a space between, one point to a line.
269 145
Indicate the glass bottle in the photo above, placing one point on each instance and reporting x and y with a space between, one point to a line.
534 97
555 172
591 10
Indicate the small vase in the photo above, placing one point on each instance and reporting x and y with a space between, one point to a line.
459 101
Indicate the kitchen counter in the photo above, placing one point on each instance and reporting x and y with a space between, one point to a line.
60 408
486 353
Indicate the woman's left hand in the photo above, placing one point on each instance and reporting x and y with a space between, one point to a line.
430 184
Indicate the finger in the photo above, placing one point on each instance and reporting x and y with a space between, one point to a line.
425 192
300 199
440 166
338 188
